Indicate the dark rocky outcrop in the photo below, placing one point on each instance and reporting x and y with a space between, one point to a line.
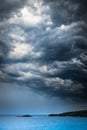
82 113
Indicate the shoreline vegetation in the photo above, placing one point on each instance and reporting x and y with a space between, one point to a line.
81 113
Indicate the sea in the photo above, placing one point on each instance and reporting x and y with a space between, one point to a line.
43 123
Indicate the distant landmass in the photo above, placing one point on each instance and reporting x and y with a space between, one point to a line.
24 116
15 115
82 113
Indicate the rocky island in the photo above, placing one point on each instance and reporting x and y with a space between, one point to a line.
15 115
81 113
24 116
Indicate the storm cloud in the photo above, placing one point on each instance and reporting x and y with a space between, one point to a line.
43 46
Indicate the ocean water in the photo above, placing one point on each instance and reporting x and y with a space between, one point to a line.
43 123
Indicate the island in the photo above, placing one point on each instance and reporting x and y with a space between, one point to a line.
24 116
81 113
5 115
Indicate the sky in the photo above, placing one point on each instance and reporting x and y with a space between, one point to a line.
43 56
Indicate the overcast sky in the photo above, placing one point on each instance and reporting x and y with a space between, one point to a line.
43 55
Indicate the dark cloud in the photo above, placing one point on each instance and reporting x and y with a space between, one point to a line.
8 7
49 54
67 11
3 52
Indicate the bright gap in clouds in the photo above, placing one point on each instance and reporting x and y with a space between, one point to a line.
30 18
21 50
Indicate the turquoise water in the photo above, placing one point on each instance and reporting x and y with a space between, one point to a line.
43 123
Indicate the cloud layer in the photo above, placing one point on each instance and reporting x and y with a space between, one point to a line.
43 45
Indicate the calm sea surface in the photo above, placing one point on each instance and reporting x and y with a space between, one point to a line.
43 123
